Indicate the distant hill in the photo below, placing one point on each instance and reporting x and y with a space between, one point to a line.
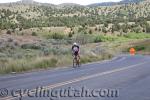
103 4
27 1
68 5
115 3
32 2
131 1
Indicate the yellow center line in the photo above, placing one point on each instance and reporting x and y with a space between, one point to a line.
80 79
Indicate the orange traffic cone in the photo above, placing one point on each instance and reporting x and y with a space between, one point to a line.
132 51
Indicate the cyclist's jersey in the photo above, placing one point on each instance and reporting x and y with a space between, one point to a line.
75 49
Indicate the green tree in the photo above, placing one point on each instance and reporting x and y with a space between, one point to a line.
104 30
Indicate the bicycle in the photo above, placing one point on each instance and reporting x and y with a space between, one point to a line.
76 61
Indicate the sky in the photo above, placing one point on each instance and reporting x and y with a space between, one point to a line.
82 2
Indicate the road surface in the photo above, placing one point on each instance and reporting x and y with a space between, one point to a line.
127 76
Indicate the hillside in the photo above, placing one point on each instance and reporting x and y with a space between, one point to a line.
24 16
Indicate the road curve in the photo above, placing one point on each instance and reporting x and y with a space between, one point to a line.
128 75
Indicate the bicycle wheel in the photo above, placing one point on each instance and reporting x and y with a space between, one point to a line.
74 63
78 62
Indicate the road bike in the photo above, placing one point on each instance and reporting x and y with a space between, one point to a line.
76 61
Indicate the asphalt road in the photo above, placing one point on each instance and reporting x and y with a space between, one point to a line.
123 78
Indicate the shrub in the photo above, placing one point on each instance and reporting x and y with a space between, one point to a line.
30 46
81 38
98 39
96 28
137 35
57 36
104 30
102 38
34 34
90 31
70 34
8 32
139 48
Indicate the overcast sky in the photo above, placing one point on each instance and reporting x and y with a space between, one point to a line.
83 2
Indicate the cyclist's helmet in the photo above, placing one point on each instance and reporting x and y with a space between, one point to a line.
75 44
